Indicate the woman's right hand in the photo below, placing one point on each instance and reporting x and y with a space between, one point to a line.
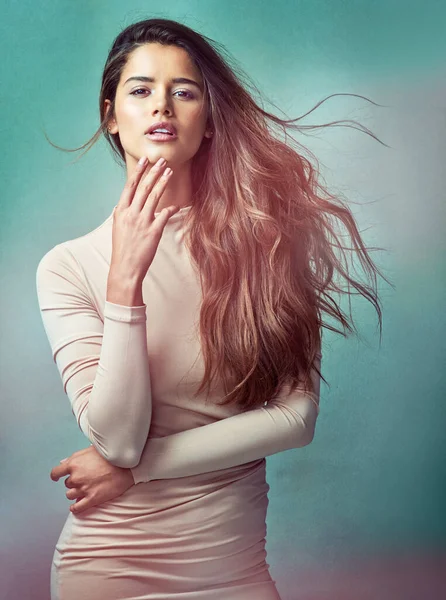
136 230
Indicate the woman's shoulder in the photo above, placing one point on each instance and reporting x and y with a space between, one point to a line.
58 266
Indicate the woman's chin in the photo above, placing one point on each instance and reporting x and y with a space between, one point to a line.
153 154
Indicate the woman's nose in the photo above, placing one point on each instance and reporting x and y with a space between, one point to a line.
161 104
160 110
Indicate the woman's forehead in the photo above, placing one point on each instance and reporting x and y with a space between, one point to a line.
158 60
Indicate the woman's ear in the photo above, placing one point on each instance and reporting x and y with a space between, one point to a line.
112 125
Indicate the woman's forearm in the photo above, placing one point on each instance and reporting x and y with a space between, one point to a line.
232 441
116 417
103 364
286 422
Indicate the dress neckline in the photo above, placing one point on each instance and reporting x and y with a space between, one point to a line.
182 210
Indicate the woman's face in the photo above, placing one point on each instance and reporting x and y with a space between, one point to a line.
140 103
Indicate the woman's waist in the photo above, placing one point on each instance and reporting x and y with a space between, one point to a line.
241 479
228 505
242 486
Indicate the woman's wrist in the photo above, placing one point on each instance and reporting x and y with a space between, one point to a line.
123 288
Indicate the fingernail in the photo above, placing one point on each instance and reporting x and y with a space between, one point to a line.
142 160
160 162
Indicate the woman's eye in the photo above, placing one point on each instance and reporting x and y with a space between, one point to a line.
184 93
138 90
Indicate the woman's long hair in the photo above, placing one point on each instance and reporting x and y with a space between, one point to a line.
262 230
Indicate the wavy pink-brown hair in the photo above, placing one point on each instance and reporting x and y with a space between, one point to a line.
263 232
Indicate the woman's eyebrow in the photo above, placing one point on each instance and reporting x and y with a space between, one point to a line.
174 80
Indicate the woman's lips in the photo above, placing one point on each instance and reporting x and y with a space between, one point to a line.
161 137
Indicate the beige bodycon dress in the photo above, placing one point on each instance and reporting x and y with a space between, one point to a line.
194 525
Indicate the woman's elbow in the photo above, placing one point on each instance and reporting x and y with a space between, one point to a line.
126 459
309 435
305 437
307 432
120 452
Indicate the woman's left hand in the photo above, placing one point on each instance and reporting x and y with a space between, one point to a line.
92 479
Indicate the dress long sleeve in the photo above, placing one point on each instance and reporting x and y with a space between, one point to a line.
286 422
103 364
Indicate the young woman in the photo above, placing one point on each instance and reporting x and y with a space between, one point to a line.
187 329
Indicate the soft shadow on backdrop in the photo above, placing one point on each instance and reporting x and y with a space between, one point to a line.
360 511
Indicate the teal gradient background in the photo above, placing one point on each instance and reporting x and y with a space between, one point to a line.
359 513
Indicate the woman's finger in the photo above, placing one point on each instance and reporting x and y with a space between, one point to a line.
80 505
147 183
132 183
74 493
60 470
151 202
161 219
157 227
69 482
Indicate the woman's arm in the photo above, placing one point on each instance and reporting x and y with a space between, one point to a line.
103 364
285 423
